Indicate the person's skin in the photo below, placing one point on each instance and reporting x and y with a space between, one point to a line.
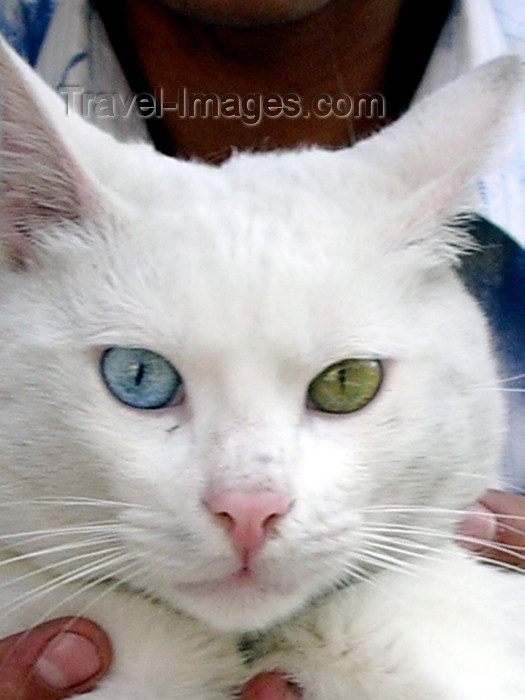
346 46
242 13
53 660
495 528
306 57
304 46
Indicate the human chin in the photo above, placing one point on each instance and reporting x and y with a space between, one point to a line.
246 12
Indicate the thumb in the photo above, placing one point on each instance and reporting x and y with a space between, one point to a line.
270 686
53 660
495 527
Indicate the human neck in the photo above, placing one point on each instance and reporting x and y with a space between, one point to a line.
343 48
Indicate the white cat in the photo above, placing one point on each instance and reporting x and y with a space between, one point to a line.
243 407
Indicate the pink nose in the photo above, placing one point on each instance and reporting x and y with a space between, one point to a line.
248 517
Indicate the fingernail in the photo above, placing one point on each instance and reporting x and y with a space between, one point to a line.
270 685
479 528
68 660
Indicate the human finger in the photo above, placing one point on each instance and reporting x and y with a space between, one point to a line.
53 660
495 527
270 686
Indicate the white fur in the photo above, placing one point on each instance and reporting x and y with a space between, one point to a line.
251 279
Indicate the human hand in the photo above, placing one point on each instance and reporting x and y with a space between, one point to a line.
495 527
70 655
53 660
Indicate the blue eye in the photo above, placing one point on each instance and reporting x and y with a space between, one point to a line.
139 377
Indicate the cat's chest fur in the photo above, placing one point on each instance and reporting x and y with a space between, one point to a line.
247 405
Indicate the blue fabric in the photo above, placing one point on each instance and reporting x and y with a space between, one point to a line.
24 24
495 275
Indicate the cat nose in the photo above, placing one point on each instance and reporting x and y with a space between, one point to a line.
248 517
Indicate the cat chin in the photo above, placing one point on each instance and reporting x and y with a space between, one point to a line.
241 608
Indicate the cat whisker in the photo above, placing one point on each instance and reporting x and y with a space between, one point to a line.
116 580
16 559
97 534
512 378
498 384
51 612
383 556
457 513
407 564
376 558
409 509
382 534
504 390
413 546
71 501
81 572
29 537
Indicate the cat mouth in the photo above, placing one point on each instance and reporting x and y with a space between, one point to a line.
244 579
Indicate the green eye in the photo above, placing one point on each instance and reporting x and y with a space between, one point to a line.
139 377
346 386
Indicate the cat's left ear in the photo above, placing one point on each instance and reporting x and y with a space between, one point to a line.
439 145
42 183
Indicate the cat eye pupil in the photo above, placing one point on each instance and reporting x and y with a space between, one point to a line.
139 374
140 378
345 386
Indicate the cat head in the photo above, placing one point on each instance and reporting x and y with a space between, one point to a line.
228 386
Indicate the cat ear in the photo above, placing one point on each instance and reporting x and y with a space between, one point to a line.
41 181
434 150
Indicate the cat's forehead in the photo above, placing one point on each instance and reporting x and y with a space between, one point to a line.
291 206
257 252
293 251
318 182
260 221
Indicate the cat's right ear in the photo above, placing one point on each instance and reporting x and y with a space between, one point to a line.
42 185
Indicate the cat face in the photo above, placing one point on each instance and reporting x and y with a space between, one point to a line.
228 386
